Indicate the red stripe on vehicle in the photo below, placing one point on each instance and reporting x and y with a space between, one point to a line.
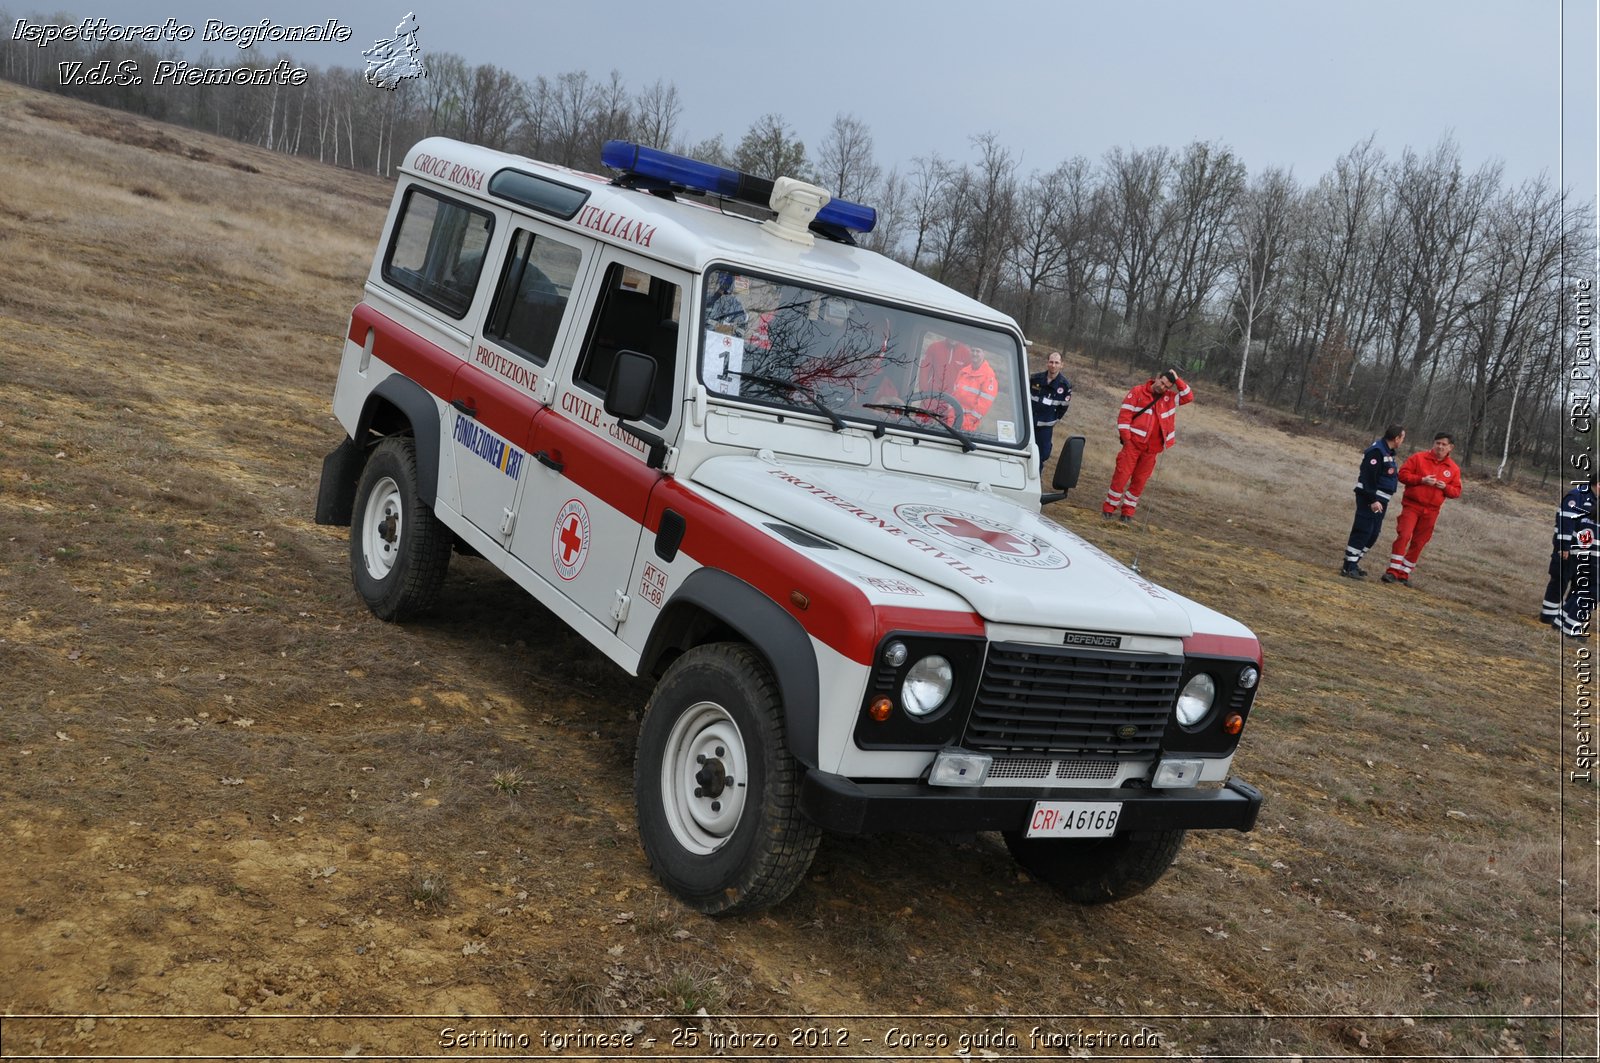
1200 645
498 406
403 350
940 621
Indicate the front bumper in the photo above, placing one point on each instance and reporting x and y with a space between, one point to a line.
839 804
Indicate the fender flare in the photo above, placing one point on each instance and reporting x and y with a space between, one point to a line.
769 629
419 407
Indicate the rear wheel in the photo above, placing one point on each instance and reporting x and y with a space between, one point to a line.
1098 870
716 789
398 548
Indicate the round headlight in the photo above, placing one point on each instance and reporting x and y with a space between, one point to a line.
1196 700
1249 677
927 685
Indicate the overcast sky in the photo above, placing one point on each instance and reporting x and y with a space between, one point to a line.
1281 82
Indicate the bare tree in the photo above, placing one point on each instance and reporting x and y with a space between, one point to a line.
610 118
572 108
1260 230
924 201
1521 264
1037 256
992 221
656 111
1206 183
494 105
956 199
1135 189
444 94
845 166
889 202
770 149
712 149
1443 211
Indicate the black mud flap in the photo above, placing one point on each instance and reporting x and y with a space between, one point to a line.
336 494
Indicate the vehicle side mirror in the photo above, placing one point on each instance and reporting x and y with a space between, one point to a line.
1068 465
633 378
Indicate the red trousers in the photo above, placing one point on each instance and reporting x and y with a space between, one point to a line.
1134 466
1412 532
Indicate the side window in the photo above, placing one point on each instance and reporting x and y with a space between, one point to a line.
635 312
532 295
437 249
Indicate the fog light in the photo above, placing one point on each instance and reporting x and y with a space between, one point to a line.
1176 774
957 767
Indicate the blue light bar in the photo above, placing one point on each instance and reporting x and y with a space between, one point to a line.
654 164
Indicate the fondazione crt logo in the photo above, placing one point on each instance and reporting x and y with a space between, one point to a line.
390 60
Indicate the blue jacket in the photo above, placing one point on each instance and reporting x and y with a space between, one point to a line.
1050 398
1575 523
1379 478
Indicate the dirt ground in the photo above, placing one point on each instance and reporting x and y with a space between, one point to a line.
242 818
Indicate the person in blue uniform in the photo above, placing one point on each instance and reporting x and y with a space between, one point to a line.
1051 392
1569 597
1376 483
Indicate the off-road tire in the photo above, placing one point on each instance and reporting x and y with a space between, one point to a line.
398 549
739 845
1098 870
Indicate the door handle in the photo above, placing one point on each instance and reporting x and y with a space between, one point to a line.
465 408
554 464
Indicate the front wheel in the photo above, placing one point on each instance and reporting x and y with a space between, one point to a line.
398 548
716 788
1098 870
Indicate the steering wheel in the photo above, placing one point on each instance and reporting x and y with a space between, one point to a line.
953 412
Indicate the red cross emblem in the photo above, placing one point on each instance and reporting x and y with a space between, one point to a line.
569 546
962 528
571 541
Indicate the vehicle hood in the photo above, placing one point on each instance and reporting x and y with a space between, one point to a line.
1012 565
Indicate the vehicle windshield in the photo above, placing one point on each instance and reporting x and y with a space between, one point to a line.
787 345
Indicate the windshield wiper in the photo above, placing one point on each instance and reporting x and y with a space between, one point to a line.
790 385
906 410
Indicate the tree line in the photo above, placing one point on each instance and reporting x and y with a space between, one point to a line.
1409 288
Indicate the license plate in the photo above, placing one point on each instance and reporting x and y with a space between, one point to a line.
1074 819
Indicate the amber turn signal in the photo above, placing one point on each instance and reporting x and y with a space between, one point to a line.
1233 724
881 709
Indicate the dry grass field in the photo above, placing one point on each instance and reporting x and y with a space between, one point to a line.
242 818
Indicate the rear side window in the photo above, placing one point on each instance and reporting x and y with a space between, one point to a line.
437 250
533 294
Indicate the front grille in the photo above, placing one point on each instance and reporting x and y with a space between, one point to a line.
1039 769
1043 699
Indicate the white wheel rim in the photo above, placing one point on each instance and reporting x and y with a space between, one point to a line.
382 529
705 778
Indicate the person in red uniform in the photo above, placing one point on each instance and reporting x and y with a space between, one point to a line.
1147 424
976 387
962 373
1429 477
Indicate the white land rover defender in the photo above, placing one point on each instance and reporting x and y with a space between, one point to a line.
795 482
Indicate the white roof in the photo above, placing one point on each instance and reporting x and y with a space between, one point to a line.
694 235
